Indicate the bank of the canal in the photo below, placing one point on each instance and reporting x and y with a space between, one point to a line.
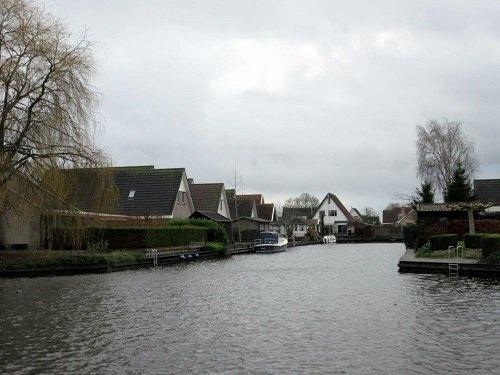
410 263
340 308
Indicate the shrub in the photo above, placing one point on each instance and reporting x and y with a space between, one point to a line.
472 241
443 241
215 231
423 250
217 248
491 248
410 236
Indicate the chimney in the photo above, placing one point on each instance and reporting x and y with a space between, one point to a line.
190 181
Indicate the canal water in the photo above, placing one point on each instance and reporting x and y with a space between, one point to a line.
315 309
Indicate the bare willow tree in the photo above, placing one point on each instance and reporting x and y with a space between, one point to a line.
47 108
47 101
441 148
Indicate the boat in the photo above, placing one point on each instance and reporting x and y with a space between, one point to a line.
329 239
270 242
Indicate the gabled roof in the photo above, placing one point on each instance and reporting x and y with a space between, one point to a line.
206 197
210 215
339 204
290 213
266 211
257 219
257 198
155 190
245 206
357 212
141 190
487 190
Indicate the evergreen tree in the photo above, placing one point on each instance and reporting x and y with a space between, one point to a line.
459 189
425 194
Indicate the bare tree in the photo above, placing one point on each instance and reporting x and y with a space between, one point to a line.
47 101
441 147
303 200
368 211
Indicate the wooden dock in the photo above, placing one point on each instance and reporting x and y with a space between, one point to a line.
409 263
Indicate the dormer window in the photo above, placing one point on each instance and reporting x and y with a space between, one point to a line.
131 194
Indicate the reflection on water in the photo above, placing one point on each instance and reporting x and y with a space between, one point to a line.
317 309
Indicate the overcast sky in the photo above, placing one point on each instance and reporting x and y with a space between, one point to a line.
305 96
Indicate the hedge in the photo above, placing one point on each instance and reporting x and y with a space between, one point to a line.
443 241
410 236
472 241
217 248
491 247
139 238
215 232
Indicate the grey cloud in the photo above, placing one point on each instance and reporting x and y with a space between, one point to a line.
309 96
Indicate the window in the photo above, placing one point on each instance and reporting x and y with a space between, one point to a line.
179 197
131 194
183 197
332 212
221 205
321 213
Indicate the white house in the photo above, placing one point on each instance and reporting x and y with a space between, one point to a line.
336 218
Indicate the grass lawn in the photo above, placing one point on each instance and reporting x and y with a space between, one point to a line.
468 253
21 260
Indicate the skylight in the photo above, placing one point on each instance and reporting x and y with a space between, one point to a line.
131 194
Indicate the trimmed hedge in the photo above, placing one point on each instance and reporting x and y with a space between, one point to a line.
140 238
491 247
443 241
473 241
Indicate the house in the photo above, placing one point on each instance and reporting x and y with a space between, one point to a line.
488 191
356 214
240 206
298 220
430 213
143 192
210 197
334 217
257 198
394 214
20 215
364 219
249 228
266 211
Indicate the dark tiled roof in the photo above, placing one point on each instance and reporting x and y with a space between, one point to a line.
487 191
155 190
257 219
210 215
257 198
265 211
244 206
206 197
292 212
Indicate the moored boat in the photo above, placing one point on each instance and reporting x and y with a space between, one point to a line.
270 242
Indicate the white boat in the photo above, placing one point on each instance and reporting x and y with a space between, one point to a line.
329 239
270 242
